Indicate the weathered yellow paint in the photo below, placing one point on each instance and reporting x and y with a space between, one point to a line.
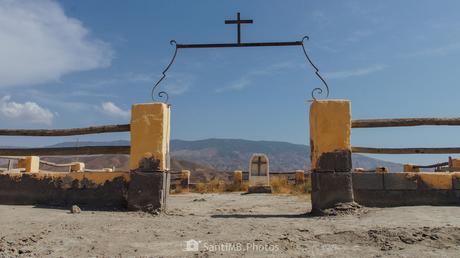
238 176
185 174
330 127
77 167
410 168
150 133
31 164
442 181
299 176
102 177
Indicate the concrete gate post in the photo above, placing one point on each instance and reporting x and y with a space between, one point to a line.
330 127
149 157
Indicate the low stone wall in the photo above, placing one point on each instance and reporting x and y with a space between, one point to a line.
405 189
95 189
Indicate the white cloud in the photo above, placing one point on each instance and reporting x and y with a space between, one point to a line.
435 51
113 110
28 112
353 73
246 80
177 83
238 85
39 43
358 35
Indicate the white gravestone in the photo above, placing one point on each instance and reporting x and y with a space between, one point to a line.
259 173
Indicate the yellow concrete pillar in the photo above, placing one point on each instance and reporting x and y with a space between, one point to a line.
299 177
150 134
31 164
330 126
77 167
410 168
454 164
238 177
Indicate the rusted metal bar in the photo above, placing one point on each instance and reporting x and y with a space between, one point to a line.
66 132
254 44
395 122
66 151
405 150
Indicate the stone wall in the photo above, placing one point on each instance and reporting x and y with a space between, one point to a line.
98 189
406 189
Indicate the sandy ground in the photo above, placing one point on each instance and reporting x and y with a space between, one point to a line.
231 225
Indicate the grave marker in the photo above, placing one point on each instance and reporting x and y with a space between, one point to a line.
259 174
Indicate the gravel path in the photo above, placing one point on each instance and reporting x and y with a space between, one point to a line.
231 225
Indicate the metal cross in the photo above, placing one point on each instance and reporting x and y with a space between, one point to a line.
238 22
259 163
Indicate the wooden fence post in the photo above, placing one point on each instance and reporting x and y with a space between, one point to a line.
330 127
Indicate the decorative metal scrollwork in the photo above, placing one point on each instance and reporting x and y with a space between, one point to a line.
317 90
163 94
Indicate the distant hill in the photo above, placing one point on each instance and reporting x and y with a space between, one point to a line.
232 154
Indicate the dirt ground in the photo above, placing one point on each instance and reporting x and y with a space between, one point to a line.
230 225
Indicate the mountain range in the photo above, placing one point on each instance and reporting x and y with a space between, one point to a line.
232 154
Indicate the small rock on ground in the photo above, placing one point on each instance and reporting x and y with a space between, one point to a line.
75 209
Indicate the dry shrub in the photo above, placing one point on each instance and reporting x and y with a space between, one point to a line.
177 188
200 188
280 185
215 186
219 186
237 187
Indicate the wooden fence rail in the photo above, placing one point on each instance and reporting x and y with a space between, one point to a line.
405 150
66 151
437 165
52 164
396 122
66 132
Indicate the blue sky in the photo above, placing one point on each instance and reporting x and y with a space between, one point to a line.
80 63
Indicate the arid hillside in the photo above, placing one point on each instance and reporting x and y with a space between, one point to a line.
232 154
